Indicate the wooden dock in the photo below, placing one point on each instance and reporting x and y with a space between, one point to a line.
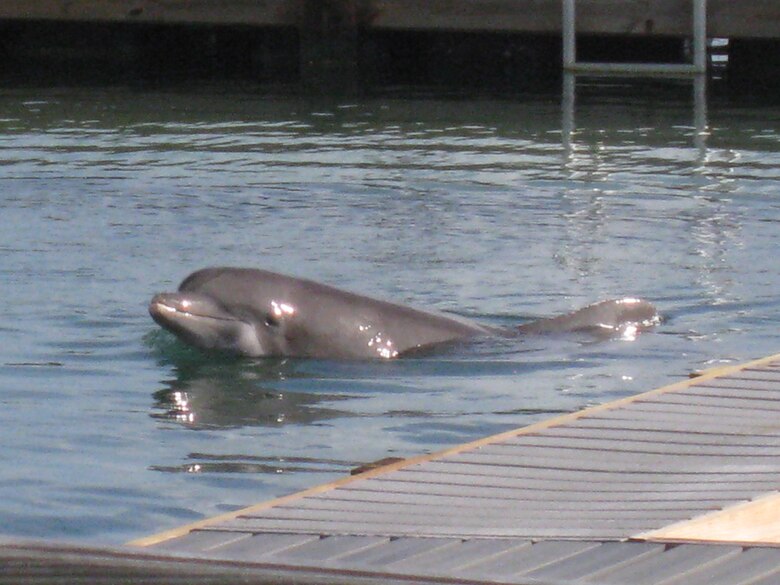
726 18
676 485
336 46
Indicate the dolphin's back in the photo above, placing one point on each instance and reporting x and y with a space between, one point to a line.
606 318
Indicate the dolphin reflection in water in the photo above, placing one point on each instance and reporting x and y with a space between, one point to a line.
256 313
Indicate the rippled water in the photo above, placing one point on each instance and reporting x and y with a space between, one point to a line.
112 430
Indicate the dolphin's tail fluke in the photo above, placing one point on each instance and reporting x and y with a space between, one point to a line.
622 318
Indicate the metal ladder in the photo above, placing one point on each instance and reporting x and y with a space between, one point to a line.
699 65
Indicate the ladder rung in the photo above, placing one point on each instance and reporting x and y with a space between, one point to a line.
628 69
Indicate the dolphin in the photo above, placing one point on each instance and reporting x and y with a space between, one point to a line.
256 313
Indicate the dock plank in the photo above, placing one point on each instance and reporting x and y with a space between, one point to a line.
611 529
498 507
564 443
751 566
327 550
256 547
684 560
199 541
692 437
444 560
572 498
591 560
509 515
715 493
529 558
398 550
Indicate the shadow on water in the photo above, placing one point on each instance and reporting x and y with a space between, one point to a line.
247 464
226 392
211 392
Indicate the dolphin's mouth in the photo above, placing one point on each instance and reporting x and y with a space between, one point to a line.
162 306
203 322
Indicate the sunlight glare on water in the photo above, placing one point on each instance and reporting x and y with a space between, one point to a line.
112 429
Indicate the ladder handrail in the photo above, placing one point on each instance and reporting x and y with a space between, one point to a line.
699 64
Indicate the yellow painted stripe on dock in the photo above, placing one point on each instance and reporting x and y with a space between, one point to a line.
753 522
507 435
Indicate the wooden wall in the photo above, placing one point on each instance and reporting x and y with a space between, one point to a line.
727 18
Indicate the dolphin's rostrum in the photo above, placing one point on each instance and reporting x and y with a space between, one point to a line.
256 313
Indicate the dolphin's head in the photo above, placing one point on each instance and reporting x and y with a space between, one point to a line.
240 311
202 321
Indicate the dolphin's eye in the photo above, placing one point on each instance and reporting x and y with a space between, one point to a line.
271 320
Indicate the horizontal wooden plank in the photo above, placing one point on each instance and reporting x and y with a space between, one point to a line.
589 528
549 470
528 559
510 516
682 423
533 488
585 448
448 495
245 12
691 413
745 19
479 15
321 551
636 469
726 390
758 373
525 508
593 442
675 564
199 541
693 437
768 404
613 462
609 554
258 547
766 386
399 550
756 566
447 560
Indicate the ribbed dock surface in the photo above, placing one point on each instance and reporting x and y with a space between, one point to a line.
309 559
598 496
678 485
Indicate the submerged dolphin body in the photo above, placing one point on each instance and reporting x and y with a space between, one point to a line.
259 313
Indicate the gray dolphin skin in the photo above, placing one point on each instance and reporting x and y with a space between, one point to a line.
257 313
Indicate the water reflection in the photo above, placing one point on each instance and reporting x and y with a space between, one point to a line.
249 464
448 203
715 230
573 159
231 393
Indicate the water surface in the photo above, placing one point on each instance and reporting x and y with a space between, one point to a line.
112 430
